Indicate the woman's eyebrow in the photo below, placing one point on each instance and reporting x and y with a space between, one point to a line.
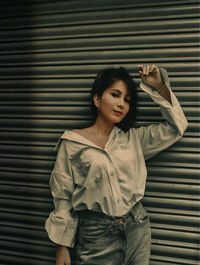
119 91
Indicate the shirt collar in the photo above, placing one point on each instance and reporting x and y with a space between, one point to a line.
73 136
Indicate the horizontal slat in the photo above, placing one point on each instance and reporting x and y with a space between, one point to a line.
173 262
173 190
174 222
43 125
105 55
175 238
25 221
110 29
52 57
42 7
26 165
172 205
18 250
82 83
56 70
173 175
182 256
111 11
30 193
43 138
169 159
34 67
13 258
29 207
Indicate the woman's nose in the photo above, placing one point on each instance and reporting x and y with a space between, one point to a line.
121 103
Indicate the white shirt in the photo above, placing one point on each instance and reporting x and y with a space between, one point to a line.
110 180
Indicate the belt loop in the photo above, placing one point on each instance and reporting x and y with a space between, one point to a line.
134 211
133 217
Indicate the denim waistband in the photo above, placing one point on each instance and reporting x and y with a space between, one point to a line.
102 215
87 213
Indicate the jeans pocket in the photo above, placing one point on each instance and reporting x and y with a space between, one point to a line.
140 214
143 219
92 230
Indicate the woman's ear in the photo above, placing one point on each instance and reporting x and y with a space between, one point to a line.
96 99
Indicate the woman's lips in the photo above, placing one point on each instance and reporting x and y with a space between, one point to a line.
118 113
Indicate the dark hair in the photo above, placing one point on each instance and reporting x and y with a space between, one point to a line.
105 79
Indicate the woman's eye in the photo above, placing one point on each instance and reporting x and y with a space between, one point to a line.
114 95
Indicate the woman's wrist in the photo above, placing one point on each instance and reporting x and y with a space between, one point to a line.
160 88
60 246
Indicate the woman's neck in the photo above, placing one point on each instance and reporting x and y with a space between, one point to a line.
102 127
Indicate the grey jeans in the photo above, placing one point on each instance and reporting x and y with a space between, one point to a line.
106 240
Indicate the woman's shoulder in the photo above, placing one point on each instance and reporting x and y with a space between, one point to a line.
71 136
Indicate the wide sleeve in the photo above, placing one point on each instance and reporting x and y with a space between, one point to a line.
61 224
157 137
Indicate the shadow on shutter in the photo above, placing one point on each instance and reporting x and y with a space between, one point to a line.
50 52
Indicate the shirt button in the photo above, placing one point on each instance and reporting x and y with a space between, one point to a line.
122 221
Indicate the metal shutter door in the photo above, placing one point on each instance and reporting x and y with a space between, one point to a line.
50 52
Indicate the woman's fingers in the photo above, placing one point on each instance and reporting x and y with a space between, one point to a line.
150 75
139 66
142 69
146 69
154 67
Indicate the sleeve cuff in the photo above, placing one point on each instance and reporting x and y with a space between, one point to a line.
62 231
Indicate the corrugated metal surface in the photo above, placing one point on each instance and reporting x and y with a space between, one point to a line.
50 52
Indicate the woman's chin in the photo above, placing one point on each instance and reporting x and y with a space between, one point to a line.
118 120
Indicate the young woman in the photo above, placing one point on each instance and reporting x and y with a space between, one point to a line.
99 176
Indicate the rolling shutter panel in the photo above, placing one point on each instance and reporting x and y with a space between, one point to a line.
50 52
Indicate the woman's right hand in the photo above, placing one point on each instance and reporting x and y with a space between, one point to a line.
62 256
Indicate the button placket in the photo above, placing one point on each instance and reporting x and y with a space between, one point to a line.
113 180
112 173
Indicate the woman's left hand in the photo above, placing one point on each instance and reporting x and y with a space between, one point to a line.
150 75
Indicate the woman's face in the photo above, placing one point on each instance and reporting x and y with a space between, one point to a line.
114 103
